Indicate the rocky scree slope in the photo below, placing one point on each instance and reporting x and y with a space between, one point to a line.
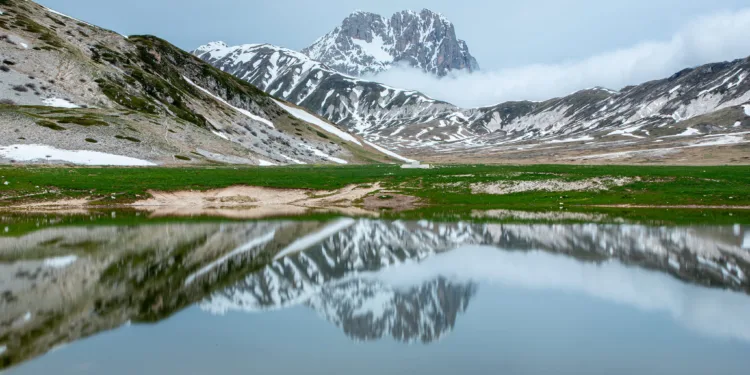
367 43
74 86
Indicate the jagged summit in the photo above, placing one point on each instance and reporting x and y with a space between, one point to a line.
367 43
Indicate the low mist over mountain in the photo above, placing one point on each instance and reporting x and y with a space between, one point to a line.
407 118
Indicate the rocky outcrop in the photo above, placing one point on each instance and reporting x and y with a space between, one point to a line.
369 43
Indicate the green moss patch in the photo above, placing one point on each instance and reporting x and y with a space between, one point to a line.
49 125
127 138
83 121
119 95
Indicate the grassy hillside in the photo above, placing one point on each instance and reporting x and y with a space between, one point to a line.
181 105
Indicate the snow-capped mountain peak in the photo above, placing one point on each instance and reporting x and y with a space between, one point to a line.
212 46
370 43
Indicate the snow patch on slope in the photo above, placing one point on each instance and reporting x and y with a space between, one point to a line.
324 155
688 132
82 157
295 161
569 140
376 48
221 135
60 262
389 153
59 103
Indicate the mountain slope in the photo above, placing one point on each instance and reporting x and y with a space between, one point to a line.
360 105
140 97
399 115
369 43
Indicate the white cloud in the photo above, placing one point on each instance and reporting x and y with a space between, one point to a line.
718 37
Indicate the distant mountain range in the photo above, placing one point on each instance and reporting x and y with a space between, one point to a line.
411 118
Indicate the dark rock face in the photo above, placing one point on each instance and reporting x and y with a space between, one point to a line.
369 43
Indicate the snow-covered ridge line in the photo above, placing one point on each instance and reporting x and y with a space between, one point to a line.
341 99
307 117
376 110
219 50
240 110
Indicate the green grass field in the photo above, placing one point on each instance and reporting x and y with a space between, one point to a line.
446 186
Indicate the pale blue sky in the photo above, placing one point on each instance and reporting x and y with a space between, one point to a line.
501 34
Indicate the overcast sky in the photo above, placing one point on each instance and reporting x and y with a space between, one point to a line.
505 36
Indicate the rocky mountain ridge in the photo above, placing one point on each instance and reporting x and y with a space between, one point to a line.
408 119
367 43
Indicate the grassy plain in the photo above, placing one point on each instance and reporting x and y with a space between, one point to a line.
444 186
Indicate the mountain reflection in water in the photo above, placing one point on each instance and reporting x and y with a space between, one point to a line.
373 279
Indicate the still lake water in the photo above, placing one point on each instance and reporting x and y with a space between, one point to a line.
368 296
